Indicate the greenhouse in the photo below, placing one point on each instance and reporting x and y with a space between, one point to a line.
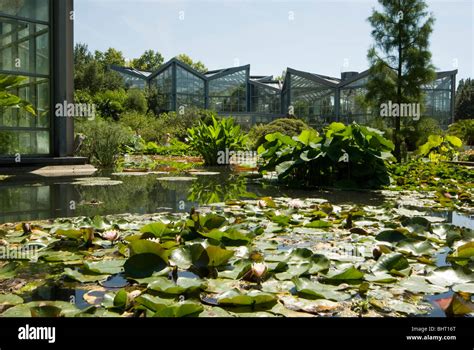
41 58
316 98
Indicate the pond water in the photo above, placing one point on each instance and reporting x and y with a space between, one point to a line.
24 198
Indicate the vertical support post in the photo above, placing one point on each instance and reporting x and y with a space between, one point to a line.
63 75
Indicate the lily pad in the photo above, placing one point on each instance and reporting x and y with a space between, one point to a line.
111 267
393 263
182 285
236 297
10 299
181 309
318 290
84 278
418 284
347 274
448 276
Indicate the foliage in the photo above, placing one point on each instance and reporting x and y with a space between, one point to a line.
400 58
135 101
416 133
111 103
440 148
176 124
150 61
464 108
227 264
351 155
212 141
285 126
464 129
10 100
103 141
199 66
146 126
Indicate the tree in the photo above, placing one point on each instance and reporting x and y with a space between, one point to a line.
150 61
199 66
400 58
111 56
82 55
464 108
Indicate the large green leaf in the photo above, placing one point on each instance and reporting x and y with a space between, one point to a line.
10 299
418 284
347 274
394 263
236 297
84 278
448 276
181 309
318 290
181 286
112 266
144 265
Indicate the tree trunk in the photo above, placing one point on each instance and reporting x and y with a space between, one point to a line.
397 134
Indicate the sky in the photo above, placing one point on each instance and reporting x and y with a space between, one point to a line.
319 36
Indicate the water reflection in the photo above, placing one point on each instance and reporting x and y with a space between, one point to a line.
23 198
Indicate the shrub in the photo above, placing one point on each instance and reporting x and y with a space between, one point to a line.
417 133
347 156
215 140
464 129
135 101
103 141
176 124
285 126
440 148
149 127
110 103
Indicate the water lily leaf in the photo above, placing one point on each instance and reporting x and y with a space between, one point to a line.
111 267
418 284
8 271
144 265
143 246
185 257
121 299
17 311
394 263
60 256
228 237
99 223
215 312
240 268
415 248
465 251
217 255
405 308
182 285
158 229
10 299
318 224
70 233
318 290
447 276
83 278
464 288
380 277
347 274
417 221
390 236
152 302
181 309
212 221
281 220
302 261
456 305
311 306
236 297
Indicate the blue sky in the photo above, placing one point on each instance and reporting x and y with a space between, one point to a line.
319 36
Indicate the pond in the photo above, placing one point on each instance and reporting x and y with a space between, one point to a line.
286 238
24 198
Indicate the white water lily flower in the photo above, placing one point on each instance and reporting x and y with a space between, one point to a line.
259 269
296 203
111 235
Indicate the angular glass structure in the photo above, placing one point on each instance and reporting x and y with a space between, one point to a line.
227 90
265 96
190 89
133 78
310 96
36 44
316 98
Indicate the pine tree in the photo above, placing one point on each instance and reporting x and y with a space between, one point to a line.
400 58
464 108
